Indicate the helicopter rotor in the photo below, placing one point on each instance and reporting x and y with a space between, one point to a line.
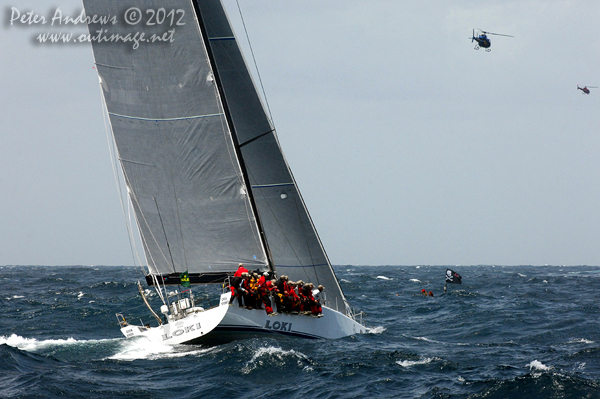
491 33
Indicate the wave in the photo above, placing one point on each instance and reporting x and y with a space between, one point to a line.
427 340
537 365
143 348
415 280
32 344
276 355
410 363
376 330
384 278
580 341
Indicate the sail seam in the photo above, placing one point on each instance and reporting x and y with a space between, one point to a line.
113 66
222 38
136 162
165 119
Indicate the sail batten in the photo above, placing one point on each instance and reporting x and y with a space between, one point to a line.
165 119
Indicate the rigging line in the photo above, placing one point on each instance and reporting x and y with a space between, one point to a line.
113 162
255 64
143 238
165 233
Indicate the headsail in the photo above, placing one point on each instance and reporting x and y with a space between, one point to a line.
293 242
206 174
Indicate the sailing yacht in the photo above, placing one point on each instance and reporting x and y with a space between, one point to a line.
204 171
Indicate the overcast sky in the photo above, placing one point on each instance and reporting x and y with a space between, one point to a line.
408 146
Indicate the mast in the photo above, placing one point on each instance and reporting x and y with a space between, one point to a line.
234 136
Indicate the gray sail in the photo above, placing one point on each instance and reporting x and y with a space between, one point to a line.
173 141
292 240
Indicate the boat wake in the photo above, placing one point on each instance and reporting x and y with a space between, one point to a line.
34 345
106 349
142 348
375 330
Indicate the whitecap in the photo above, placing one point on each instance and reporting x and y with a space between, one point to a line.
345 281
273 352
427 340
376 330
384 278
410 363
80 295
522 275
15 297
537 365
415 280
545 281
580 341
580 366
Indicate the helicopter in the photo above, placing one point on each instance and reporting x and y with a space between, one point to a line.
483 41
586 89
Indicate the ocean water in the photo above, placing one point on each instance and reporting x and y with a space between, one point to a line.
506 332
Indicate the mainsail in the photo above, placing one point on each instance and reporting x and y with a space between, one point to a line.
205 172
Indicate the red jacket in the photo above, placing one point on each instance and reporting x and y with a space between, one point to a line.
239 271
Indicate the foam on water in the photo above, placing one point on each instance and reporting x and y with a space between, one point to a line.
375 330
34 345
383 278
482 339
143 348
273 353
537 365
427 339
410 363
580 341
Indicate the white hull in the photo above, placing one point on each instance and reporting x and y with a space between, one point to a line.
332 325
225 321
195 324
